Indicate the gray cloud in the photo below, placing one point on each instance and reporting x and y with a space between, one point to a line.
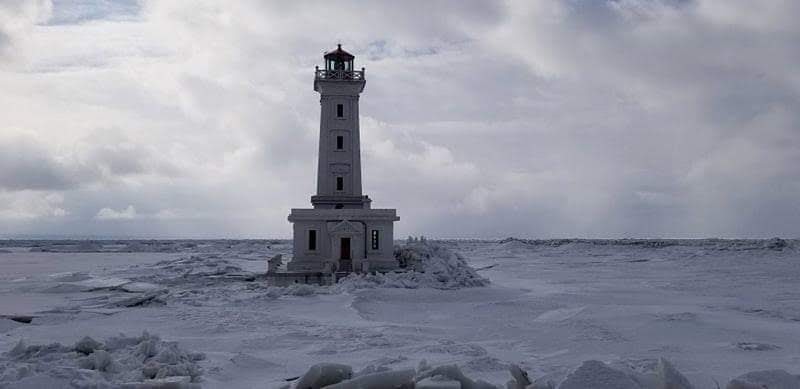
547 118
28 165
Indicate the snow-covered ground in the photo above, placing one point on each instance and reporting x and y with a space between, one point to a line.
715 308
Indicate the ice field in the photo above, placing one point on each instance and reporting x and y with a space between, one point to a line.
716 309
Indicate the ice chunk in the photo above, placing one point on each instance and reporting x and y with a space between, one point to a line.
140 300
454 373
324 374
42 381
103 282
87 345
755 346
177 382
438 382
66 288
772 379
134 287
542 384
670 378
90 363
251 362
737 384
70 276
521 380
597 375
100 360
8 324
396 379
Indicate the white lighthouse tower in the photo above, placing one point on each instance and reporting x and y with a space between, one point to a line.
341 233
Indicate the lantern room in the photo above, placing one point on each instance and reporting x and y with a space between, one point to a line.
339 60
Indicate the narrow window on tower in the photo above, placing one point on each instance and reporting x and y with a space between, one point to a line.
339 142
339 110
375 239
312 240
339 183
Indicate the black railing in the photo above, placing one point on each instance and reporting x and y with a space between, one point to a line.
323 74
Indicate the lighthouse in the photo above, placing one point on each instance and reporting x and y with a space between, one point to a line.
341 233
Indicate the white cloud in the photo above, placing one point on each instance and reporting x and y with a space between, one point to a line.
31 205
112 214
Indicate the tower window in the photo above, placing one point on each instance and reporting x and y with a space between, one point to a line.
375 239
339 183
339 110
312 240
339 142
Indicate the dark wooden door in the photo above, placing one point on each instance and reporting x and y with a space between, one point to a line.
345 254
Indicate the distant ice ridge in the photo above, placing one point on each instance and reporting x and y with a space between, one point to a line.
589 375
714 244
129 362
243 247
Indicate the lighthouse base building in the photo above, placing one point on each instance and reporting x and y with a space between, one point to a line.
341 233
347 240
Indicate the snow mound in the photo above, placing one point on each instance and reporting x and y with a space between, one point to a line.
427 265
132 362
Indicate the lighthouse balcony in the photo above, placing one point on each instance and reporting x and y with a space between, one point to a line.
339 74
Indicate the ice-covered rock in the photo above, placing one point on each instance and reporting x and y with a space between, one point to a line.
597 375
772 379
324 374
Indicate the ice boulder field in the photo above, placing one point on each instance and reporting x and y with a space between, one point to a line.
509 313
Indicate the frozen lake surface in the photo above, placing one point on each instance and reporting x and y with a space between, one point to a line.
715 308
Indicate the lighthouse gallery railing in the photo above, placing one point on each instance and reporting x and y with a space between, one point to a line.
323 74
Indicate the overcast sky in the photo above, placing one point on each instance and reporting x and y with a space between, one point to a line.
626 118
